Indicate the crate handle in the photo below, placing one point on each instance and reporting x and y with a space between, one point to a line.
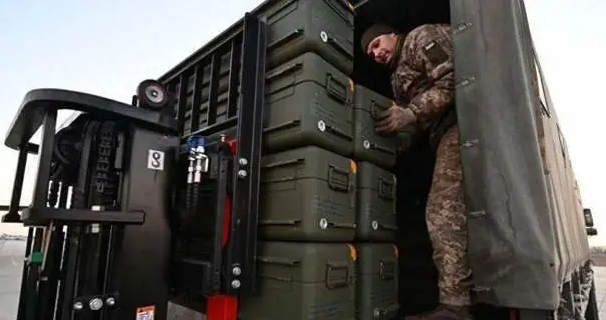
386 227
279 261
282 126
376 109
373 145
333 179
271 75
386 270
287 38
381 313
285 163
342 225
333 130
331 4
386 189
336 89
331 269
331 41
279 222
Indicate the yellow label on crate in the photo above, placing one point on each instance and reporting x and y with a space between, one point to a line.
353 255
353 167
350 6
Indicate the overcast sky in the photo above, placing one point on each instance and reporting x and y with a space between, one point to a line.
107 47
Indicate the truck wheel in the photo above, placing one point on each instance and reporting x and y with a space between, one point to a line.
592 312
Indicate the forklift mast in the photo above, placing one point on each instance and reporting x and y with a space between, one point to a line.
128 213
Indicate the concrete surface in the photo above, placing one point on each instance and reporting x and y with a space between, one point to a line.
11 257
11 266
600 277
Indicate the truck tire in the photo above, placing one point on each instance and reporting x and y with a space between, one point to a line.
592 312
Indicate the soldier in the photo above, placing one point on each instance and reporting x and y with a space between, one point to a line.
423 86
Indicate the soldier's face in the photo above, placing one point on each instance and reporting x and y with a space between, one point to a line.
381 48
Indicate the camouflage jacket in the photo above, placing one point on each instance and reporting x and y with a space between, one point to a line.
423 79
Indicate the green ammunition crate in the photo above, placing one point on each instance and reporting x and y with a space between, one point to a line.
322 26
369 145
300 281
377 281
294 27
309 102
376 207
307 194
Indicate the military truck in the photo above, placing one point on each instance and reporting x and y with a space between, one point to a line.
255 166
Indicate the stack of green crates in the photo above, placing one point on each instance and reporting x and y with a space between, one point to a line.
327 208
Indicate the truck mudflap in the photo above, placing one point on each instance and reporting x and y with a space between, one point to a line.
525 233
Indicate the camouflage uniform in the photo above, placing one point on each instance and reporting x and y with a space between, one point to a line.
424 82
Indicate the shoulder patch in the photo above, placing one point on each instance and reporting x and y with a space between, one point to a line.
434 53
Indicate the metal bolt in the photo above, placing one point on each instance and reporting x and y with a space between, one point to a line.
95 304
324 36
321 126
243 161
78 306
242 173
235 284
110 301
236 271
375 225
323 223
95 228
376 313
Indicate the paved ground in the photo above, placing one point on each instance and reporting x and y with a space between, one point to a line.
11 264
600 274
11 253
10 277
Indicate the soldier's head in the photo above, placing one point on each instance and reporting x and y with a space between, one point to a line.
379 42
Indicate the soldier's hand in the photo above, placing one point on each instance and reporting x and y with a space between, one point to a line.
394 119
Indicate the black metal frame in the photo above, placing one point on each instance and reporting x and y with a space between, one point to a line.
232 269
244 222
39 108
60 232
57 244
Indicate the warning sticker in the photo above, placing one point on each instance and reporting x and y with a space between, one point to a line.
146 313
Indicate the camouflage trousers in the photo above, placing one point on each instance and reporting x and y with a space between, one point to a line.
446 222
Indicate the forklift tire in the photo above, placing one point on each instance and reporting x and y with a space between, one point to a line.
152 95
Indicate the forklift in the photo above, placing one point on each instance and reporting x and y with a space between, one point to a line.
100 224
